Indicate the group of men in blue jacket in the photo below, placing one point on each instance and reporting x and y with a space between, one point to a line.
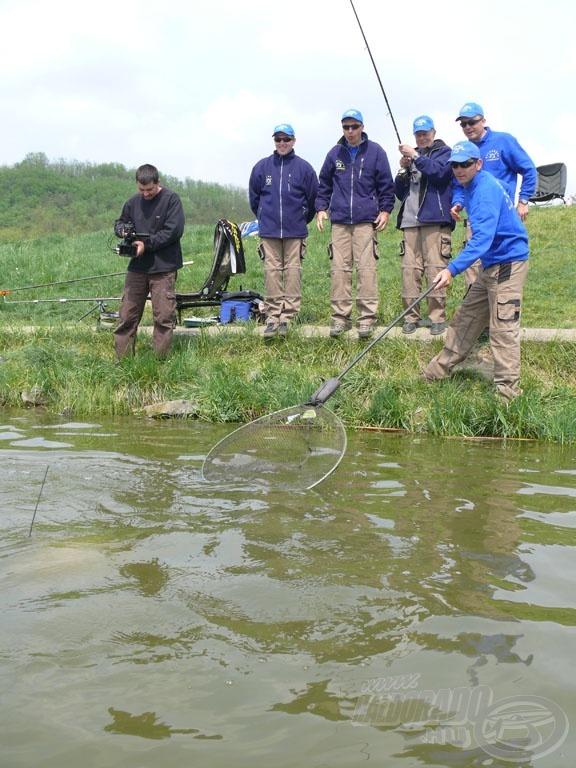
356 192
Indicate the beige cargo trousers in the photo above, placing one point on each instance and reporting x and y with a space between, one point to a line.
493 300
282 259
354 247
425 252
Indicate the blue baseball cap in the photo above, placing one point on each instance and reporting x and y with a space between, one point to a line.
470 109
423 123
464 150
284 128
353 114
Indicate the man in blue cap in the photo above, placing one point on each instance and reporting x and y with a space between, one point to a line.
503 157
499 239
424 187
356 191
282 191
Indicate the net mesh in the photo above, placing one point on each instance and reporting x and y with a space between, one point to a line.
294 449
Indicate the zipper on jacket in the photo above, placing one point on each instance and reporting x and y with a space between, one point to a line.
280 198
351 192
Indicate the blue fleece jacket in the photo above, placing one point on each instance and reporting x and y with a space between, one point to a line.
282 191
504 158
354 190
498 234
434 189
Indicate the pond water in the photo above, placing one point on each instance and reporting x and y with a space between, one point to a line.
416 608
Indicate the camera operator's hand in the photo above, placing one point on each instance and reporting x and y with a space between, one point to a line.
119 226
139 248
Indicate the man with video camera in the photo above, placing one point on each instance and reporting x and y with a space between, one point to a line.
151 225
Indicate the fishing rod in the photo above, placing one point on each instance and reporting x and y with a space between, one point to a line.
38 500
377 75
98 300
58 282
5 292
99 304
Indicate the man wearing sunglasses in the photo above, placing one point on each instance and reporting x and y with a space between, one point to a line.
356 191
503 157
282 191
500 241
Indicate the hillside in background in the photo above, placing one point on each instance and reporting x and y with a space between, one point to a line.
38 197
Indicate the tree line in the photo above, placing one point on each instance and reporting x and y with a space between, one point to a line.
39 196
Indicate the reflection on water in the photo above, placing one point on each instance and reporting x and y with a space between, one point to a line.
153 619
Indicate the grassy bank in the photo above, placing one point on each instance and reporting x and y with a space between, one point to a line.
235 377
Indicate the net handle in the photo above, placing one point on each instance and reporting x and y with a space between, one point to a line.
331 385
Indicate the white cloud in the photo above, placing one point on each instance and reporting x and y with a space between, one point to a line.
197 92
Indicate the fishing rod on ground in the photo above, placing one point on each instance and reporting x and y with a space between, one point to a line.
6 291
377 74
99 304
97 299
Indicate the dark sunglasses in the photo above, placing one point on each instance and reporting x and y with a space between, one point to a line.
464 123
465 164
351 127
283 139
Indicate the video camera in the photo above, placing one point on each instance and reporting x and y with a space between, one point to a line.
127 231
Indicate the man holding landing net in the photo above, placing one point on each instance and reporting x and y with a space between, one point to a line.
499 239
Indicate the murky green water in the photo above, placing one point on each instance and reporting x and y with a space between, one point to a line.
152 619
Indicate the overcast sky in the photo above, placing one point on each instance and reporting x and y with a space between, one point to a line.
196 87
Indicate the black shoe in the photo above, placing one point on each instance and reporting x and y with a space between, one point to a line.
409 327
270 331
283 329
437 328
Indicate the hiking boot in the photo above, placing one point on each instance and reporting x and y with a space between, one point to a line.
365 330
283 329
338 328
409 327
270 331
437 328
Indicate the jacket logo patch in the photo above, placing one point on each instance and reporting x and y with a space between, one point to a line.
493 154
340 165
268 181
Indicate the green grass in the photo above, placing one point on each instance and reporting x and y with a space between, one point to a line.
235 377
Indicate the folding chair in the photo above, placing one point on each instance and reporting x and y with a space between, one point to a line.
551 184
228 260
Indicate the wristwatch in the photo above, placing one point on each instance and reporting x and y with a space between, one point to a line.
523 202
